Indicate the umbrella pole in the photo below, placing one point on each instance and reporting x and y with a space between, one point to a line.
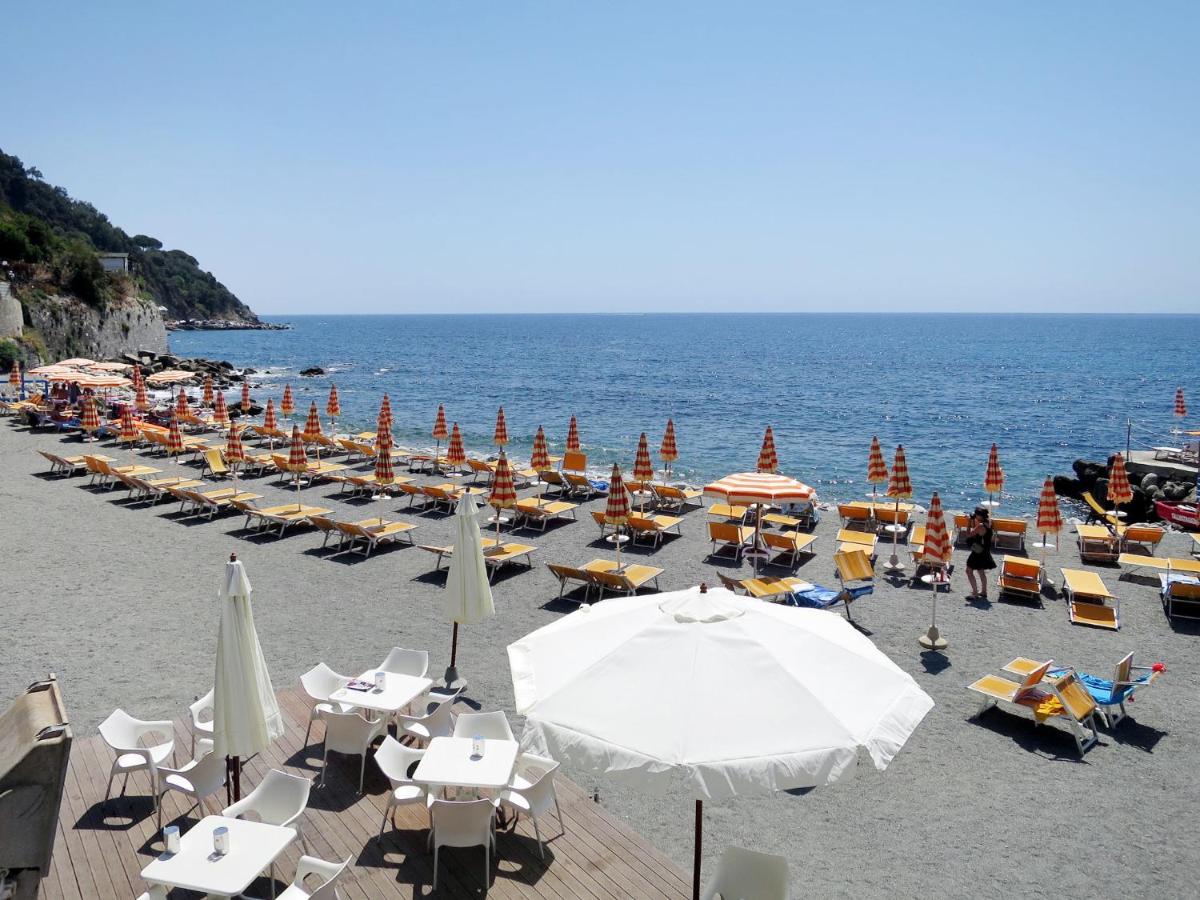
696 857
454 646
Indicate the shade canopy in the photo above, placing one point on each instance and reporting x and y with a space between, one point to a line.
831 694
503 493
383 458
270 423
468 595
312 425
171 376
333 406
246 717
759 487
207 391
220 412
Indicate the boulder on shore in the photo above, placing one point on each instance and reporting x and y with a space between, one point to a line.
312 371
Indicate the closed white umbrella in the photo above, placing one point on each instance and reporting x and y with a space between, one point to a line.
246 717
832 694
468 597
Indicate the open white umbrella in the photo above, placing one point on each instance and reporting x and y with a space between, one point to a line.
246 717
832 694
468 596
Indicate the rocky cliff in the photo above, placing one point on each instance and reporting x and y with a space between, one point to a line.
59 326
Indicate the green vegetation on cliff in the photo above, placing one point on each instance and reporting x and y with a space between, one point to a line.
51 240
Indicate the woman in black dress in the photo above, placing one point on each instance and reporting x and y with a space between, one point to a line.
979 542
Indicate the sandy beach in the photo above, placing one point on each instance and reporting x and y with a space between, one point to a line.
118 600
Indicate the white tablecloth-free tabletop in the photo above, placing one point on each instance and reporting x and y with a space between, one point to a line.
253 847
398 691
447 763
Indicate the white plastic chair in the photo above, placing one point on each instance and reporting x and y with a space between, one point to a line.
492 726
468 823
202 718
319 682
406 662
156 892
747 875
397 762
328 872
352 734
279 799
198 779
531 791
438 723
125 735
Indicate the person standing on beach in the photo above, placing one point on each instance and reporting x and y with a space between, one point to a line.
979 542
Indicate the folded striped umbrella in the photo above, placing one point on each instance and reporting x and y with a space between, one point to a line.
208 390
503 493
140 399
768 461
312 425
270 423
1180 406
993 478
129 430
235 450
333 406
937 537
287 405
1119 490
500 436
758 487
439 432
14 376
899 485
181 403
456 453
1049 517
246 397
573 436
174 438
89 421
220 412
385 413
616 510
297 454
383 458
540 459
877 471
668 450
643 469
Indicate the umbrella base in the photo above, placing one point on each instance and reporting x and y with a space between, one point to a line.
893 564
932 639
617 538
989 504
452 681
1042 545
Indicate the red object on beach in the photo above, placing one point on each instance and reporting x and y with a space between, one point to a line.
643 469
129 430
174 437
993 478
89 421
333 406
208 390
385 414
181 403
899 485
270 423
1049 517
287 405
937 537
1119 490
768 460
540 460
500 436
383 458
668 450
877 471
759 487
1180 406
142 401
312 426
503 494
456 453
234 450
14 375
245 397
221 412
573 436
297 455
616 510
439 432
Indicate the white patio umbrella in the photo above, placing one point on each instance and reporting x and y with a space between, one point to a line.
246 717
468 597
832 694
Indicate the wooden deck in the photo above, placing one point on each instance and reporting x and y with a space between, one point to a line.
102 847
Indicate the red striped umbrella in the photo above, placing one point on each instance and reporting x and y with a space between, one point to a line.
208 390
768 460
616 510
297 460
270 423
573 436
221 412
993 478
287 405
877 471
937 553
141 400
385 413
312 425
456 453
14 376
90 420
668 450
1049 517
1119 490
643 469
383 464
1180 406
759 487
503 493
899 487
245 397
439 432
174 438
235 453
181 403
500 435
129 430
333 406
540 459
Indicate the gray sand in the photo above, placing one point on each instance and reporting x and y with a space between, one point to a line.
118 602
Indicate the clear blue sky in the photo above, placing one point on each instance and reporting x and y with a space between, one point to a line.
395 157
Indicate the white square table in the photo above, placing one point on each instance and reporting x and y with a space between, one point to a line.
398 691
253 847
447 763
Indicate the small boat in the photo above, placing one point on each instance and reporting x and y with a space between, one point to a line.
1181 514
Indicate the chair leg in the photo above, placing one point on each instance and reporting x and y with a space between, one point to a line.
311 715
538 834
324 765
435 867
383 824
487 863
362 771
562 827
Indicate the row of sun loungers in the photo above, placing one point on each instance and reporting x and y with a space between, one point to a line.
604 575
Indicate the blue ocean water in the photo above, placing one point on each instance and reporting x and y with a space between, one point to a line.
1047 388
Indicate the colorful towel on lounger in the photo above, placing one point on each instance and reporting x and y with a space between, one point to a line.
818 597
1101 689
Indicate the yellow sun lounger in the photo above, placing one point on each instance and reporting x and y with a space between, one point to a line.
1135 561
1110 698
728 534
789 546
495 554
1086 598
627 580
725 511
767 587
1063 698
676 498
856 540
567 574
1181 600
1021 578
653 527
1096 512
64 465
535 511
1096 543
371 532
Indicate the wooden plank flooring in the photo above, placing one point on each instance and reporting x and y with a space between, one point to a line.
102 846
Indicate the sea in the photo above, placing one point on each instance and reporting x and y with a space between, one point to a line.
1047 389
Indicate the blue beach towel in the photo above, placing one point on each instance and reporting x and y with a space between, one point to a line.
818 597
1101 689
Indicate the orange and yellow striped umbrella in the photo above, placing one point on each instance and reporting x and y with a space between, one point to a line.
668 450
503 493
643 469
500 436
993 478
1180 406
899 485
297 460
312 426
877 470
287 405
174 438
90 420
385 414
540 460
439 432
616 509
235 450
383 458
1049 517
768 460
456 453
246 397
1119 490
759 487
270 423
129 430
573 436
333 406
181 403
140 399
220 412
937 537
208 390
14 376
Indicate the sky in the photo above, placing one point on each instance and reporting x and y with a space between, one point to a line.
613 157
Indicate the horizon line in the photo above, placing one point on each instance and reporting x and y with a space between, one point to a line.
698 312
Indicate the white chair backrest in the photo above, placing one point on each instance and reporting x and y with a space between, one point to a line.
395 760
279 797
122 731
439 722
202 709
747 875
349 732
320 681
406 662
462 823
490 725
207 775
539 772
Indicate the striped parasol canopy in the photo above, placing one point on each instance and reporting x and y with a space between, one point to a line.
540 460
937 537
759 487
270 423
174 438
643 469
140 399
1049 517
90 420
287 405
616 510
385 413
208 391
668 450
333 406
1180 405
220 412
993 479
235 451
1119 490
383 424
246 397
312 425
768 460
877 470
573 436
14 375
899 485
503 493
456 453
298 454
129 430
383 458
439 432
500 435
181 403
